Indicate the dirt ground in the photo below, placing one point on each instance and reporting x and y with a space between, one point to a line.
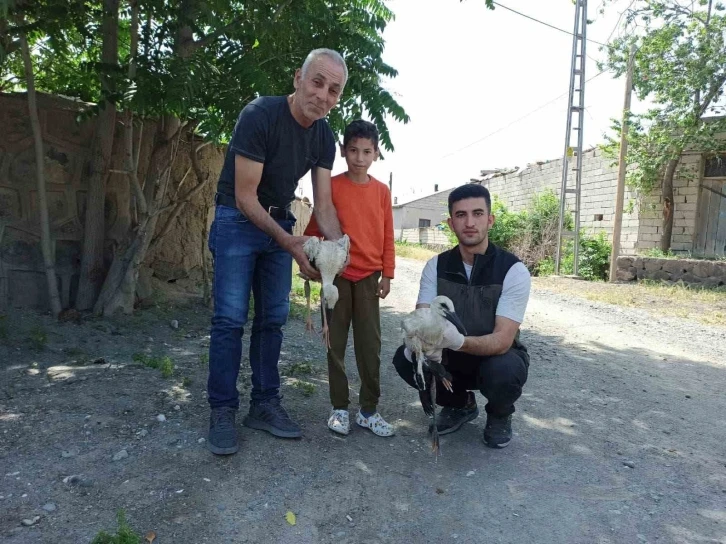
620 437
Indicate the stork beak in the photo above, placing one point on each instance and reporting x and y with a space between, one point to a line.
452 318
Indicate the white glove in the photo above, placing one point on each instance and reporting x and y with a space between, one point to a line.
453 339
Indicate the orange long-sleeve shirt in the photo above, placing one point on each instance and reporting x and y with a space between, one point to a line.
365 215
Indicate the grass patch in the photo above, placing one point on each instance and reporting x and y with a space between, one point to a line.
407 250
300 369
38 338
707 306
204 359
306 388
298 303
124 534
164 364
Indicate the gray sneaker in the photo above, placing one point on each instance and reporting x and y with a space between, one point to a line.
270 416
222 433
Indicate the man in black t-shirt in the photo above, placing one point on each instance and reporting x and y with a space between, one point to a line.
276 141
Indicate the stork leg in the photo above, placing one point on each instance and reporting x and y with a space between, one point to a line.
309 327
419 375
434 428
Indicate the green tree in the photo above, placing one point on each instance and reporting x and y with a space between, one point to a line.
680 64
185 69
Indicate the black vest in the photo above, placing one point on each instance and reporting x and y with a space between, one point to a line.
475 299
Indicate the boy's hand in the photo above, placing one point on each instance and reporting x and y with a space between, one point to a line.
384 287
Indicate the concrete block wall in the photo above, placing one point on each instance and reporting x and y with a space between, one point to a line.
685 208
597 197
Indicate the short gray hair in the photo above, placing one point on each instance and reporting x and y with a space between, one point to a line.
323 52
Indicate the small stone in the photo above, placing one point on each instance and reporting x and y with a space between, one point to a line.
174 324
99 361
123 454
177 407
688 396
30 521
470 473
50 507
142 433
161 417
65 454
201 441
629 464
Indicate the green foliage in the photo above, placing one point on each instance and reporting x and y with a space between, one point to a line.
124 535
38 338
594 258
203 60
680 65
162 363
532 234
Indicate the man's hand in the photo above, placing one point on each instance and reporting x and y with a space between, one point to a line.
294 246
453 339
384 287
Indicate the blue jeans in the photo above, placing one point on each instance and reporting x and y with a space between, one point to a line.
245 258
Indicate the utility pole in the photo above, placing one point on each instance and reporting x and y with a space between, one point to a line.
620 194
390 182
575 122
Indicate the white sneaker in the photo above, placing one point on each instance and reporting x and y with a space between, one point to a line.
339 422
376 424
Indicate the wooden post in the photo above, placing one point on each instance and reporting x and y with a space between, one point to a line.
620 194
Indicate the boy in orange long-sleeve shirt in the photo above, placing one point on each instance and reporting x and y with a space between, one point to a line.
364 210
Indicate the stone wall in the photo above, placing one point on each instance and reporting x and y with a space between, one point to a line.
690 271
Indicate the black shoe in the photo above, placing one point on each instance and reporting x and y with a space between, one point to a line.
451 419
498 431
222 433
270 416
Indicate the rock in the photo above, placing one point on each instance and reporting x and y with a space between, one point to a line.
629 464
65 454
174 324
161 417
626 274
177 407
201 440
123 454
77 480
99 361
50 507
142 433
659 275
674 267
30 521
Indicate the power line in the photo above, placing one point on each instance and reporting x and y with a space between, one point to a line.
500 129
543 23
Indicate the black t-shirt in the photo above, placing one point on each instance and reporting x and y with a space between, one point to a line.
267 132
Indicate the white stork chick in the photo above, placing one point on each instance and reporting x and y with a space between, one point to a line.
423 331
329 258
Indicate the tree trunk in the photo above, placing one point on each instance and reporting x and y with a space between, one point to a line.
92 265
45 240
667 197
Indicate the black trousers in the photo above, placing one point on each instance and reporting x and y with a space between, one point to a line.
499 378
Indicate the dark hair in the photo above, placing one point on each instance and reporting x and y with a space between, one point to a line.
470 190
361 129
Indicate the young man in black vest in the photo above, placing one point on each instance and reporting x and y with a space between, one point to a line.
490 290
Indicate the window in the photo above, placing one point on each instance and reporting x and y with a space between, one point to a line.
598 217
715 167
423 223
